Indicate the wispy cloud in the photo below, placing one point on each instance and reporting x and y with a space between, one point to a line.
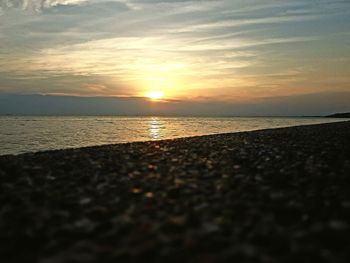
223 47
36 5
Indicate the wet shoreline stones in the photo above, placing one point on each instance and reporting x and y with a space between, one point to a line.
278 195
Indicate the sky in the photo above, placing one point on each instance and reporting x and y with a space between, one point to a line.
222 51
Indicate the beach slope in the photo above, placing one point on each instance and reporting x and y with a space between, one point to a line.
278 195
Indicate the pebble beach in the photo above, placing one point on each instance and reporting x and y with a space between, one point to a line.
276 195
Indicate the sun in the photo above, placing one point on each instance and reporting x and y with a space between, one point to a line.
155 95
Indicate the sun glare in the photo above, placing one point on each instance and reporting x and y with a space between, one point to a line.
155 95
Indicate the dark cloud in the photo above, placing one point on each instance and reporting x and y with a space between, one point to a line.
311 105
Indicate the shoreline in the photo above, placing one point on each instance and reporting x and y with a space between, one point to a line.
272 195
337 120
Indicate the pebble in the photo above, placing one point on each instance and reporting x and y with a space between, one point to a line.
279 195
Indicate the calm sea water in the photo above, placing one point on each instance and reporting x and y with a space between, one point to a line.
28 134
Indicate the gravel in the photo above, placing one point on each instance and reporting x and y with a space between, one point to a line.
278 195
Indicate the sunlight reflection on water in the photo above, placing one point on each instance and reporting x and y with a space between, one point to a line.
154 129
27 134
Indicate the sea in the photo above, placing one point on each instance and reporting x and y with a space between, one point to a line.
32 134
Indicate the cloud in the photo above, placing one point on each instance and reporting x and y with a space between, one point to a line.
36 5
310 104
229 48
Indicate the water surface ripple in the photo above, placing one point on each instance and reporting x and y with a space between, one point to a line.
28 134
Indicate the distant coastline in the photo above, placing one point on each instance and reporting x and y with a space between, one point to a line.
339 115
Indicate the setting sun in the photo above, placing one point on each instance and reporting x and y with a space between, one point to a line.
155 95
